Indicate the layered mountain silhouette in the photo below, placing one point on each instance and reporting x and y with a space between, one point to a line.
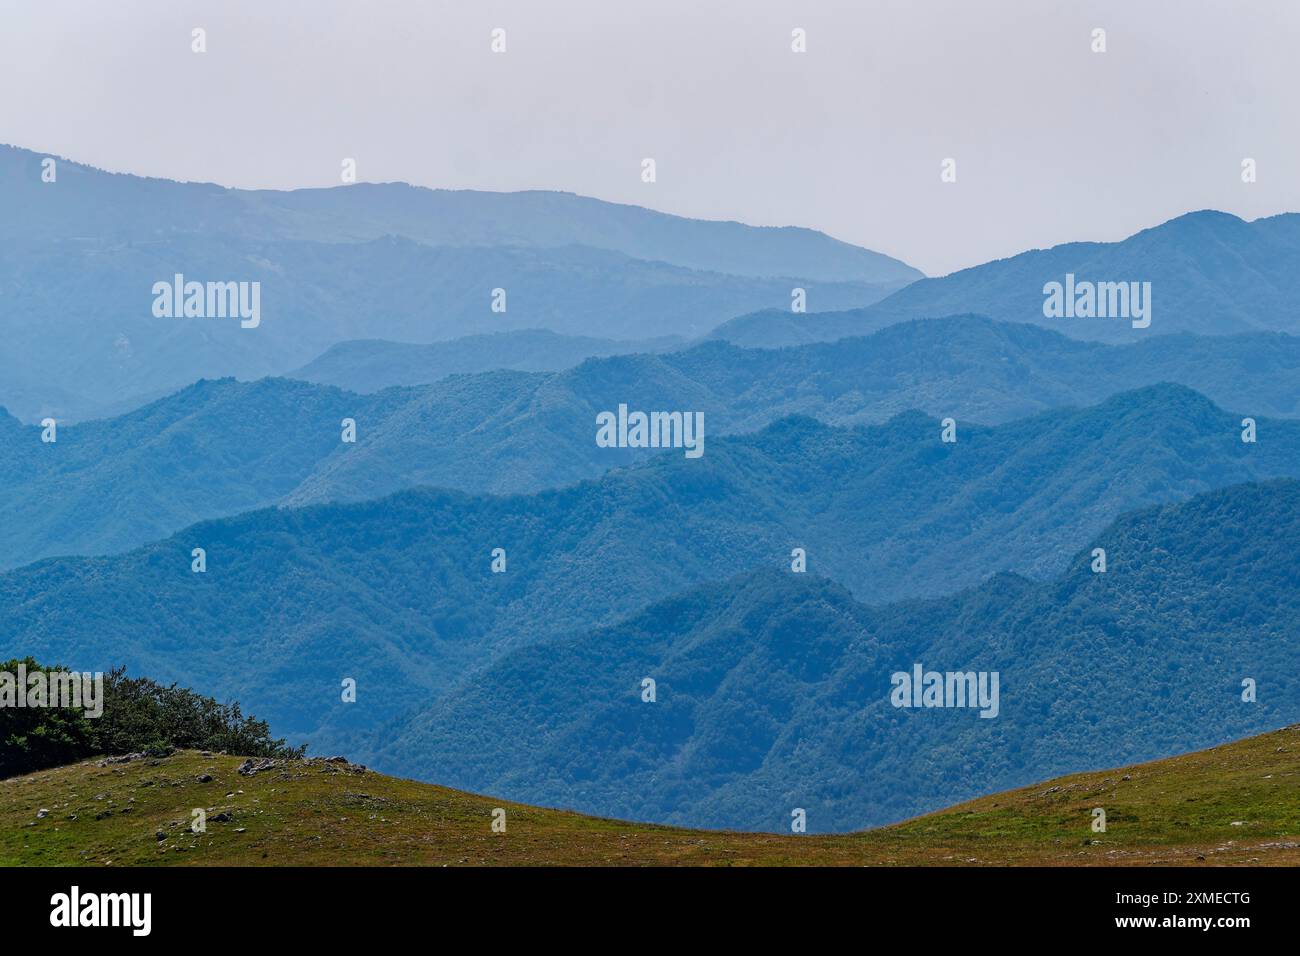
91 202
399 593
218 448
773 690
1210 273
503 590
908 360
79 258
81 321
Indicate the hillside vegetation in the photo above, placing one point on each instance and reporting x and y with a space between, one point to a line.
134 714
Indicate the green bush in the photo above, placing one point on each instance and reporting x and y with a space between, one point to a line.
139 715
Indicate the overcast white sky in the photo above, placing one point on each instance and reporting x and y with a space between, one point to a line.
1053 142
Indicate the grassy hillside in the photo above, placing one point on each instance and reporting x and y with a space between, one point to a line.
1233 805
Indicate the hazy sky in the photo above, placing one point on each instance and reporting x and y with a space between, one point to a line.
1053 142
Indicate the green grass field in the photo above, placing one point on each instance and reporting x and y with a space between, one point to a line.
1238 804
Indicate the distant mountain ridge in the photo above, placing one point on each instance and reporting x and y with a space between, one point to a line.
369 365
80 255
87 201
1211 273
80 325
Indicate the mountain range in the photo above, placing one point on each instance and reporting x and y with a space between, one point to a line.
988 370
79 258
1210 273
518 608
221 447
399 594
79 320
773 690
85 201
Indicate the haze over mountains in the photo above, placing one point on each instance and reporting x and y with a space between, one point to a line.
221 447
369 365
79 257
80 312
92 202
409 265
928 363
475 431
773 689
398 593
1210 273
